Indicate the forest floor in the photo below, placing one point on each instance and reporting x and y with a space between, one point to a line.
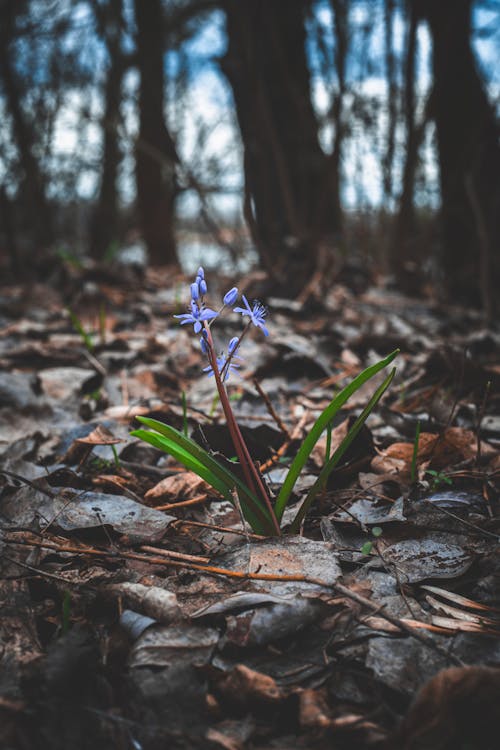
138 612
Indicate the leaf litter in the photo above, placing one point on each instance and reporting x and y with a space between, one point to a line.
137 605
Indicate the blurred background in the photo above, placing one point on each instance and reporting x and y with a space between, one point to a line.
299 135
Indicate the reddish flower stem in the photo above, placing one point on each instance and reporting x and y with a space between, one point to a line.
252 475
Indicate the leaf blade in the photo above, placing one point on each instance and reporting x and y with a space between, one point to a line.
339 452
323 420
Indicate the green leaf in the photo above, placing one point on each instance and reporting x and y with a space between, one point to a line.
193 456
327 469
186 459
377 531
366 548
321 423
77 325
413 472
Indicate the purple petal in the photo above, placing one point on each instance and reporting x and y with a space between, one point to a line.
208 314
231 296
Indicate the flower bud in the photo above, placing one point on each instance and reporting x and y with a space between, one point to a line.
204 345
233 344
200 273
231 296
202 286
195 292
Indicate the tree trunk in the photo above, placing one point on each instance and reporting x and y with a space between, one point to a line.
33 179
405 219
341 31
105 220
469 157
289 187
155 152
392 113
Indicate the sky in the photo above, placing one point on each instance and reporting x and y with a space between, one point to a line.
206 129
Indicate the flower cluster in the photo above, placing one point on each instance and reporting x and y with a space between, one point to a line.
201 318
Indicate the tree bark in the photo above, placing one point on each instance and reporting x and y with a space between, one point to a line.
341 31
105 230
290 201
392 113
33 180
469 157
155 152
405 219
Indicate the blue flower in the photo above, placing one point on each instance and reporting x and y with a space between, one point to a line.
196 316
257 314
221 361
231 296
200 282
195 291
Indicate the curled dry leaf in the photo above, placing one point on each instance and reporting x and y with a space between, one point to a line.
436 451
244 686
151 600
180 486
100 436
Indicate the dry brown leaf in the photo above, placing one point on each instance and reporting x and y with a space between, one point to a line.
100 436
244 685
458 707
318 453
313 709
437 451
180 486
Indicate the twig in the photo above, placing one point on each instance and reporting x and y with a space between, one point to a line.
184 503
242 575
175 555
270 408
214 527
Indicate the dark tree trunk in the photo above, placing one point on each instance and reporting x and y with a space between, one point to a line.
33 180
8 232
290 202
405 220
469 157
105 221
155 153
392 112
341 30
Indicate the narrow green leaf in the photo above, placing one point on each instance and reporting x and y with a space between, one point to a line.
184 415
327 469
323 420
185 459
77 325
173 440
413 473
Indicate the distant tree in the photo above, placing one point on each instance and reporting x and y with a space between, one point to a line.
32 185
392 99
341 31
155 150
290 187
110 24
405 218
469 157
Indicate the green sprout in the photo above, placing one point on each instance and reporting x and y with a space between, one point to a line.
368 546
438 478
78 326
